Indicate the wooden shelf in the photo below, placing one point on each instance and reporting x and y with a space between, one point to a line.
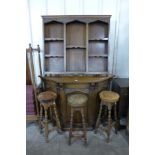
54 39
75 47
98 56
54 56
105 39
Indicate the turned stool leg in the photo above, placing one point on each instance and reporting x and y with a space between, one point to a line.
105 112
109 123
71 126
41 117
116 120
51 116
46 126
98 118
84 126
57 119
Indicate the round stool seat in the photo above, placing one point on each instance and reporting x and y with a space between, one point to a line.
77 100
47 96
109 96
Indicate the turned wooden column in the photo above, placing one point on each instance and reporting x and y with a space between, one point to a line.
92 108
63 104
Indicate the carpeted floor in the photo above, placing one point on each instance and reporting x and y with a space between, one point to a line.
58 144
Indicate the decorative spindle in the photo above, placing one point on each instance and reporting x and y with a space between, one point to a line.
56 116
41 117
46 126
84 126
98 118
109 124
71 126
116 120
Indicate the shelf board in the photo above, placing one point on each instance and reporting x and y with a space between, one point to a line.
54 39
53 56
98 56
75 47
95 39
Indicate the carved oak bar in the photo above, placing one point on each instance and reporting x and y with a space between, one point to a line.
63 85
76 58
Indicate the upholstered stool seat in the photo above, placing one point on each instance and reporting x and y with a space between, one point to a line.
109 96
77 102
47 102
47 96
108 99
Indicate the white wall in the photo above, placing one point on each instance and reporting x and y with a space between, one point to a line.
118 53
121 66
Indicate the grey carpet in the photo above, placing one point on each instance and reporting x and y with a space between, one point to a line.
58 144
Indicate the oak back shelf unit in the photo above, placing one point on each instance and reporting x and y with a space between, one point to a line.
76 44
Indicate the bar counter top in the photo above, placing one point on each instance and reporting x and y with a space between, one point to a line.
76 79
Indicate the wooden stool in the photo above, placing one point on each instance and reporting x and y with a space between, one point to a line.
47 101
77 102
108 98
